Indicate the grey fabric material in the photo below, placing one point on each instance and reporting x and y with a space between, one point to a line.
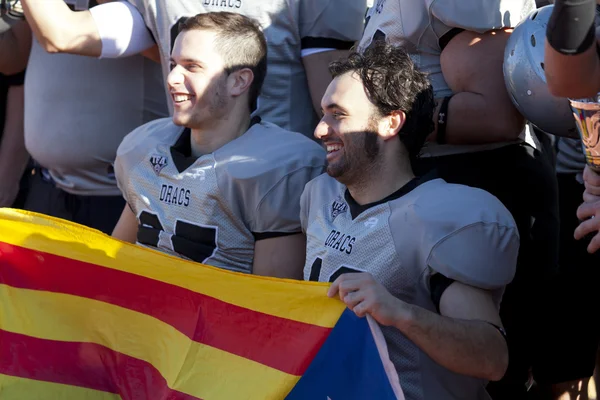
418 26
250 185
285 99
462 232
78 109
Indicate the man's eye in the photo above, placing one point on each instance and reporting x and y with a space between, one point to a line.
171 66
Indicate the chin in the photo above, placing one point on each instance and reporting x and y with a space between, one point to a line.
180 120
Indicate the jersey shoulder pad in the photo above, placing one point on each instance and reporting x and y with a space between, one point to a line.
268 150
479 16
146 137
265 171
466 233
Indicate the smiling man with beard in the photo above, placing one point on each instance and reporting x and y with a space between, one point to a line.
428 260
213 184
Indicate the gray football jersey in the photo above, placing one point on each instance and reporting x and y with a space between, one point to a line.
427 227
418 26
289 27
213 208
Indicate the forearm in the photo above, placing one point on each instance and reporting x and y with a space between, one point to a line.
571 62
473 348
58 29
13 154
574 76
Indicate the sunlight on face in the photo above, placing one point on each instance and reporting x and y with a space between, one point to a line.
348 129
197 81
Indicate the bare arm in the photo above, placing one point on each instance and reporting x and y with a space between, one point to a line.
317 74
280 257
458 340
13 155
15 46
574 76
480 110
127 226
59 29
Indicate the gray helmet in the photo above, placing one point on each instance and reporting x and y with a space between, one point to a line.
525 79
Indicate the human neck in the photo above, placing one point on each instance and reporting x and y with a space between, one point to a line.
381 180
209 139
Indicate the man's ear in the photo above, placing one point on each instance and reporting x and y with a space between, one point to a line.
240 81
391 124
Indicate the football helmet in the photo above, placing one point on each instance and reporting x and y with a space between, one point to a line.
526 81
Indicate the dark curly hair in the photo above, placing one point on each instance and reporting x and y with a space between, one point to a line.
392 82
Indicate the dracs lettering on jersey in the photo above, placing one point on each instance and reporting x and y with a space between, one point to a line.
223 3
175 195
340 241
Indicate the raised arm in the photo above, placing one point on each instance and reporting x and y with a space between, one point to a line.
59 29
571 60
111 30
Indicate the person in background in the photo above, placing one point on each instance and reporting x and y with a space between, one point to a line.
14 158
77 111
303 37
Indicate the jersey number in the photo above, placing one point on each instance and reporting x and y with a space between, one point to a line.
315 271
192 241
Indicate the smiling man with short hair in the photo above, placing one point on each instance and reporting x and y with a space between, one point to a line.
213 184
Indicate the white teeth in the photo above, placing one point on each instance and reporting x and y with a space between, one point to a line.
181 97
333 147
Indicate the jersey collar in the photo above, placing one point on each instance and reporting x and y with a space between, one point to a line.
181 151
357 209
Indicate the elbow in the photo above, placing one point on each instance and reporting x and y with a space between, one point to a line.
498 369
53 42
52 46
499 363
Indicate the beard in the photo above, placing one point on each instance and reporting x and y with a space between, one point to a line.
359 157
211 107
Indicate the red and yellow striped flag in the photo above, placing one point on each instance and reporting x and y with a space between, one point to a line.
83 316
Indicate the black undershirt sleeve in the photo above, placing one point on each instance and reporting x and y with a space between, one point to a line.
571 29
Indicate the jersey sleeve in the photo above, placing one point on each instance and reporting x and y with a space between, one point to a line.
334 24
278 212
304 203
481 16
122 29
482 254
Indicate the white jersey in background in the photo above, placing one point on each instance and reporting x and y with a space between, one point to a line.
418 26
293 29
78 109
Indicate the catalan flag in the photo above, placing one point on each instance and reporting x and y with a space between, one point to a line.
84 316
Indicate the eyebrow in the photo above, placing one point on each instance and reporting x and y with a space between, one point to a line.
186 60
335 105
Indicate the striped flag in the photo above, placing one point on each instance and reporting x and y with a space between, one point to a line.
84 316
